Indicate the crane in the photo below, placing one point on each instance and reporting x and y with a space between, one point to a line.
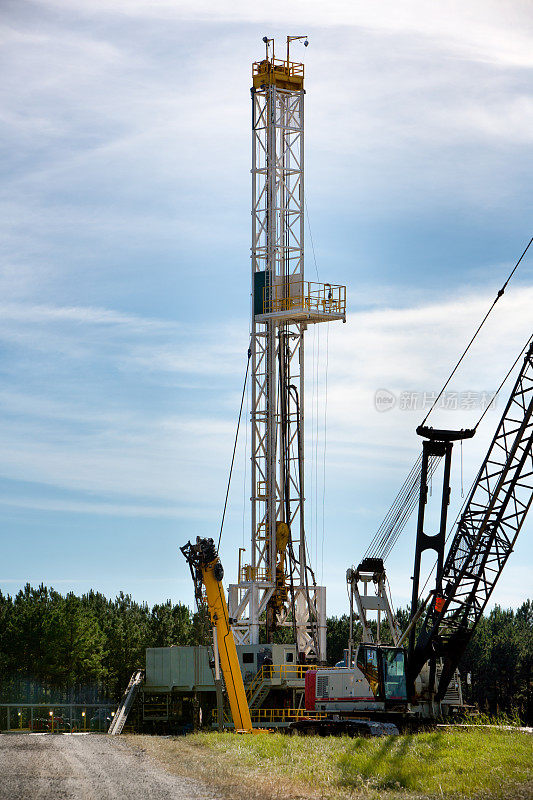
393 683
484 538
207 574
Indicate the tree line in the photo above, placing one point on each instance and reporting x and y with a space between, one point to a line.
81 649
56 647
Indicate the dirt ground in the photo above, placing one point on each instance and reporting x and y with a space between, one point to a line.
87 767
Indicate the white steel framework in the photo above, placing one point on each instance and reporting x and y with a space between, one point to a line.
277 588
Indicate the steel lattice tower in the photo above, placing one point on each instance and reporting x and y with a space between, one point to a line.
278 587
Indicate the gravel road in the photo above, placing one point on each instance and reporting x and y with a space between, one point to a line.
92 767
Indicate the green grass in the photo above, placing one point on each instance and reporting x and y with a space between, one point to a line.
447 763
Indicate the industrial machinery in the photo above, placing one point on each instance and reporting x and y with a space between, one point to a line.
483 540
207 574
394 683
278 588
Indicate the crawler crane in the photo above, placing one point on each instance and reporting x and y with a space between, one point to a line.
397 684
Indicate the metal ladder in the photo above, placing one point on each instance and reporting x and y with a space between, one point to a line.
124 708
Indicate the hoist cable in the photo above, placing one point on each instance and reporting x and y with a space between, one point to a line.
521 353
245 464
410 506
379 541
401 509
317 439
500 293
234 446
311 238
324 461
380 537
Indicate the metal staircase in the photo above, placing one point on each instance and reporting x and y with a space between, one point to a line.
259 696
126 703
257 689
276 675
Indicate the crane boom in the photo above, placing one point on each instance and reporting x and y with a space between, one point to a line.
207 569
485 536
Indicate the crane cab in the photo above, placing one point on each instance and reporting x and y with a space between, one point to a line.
376 682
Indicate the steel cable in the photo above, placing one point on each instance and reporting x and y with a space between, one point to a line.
500 293
234 447
401 509
521 353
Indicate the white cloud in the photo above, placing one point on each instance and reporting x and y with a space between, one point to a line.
414 350
113 458
144 123
37 314
106 509
115 447
82 433
482 30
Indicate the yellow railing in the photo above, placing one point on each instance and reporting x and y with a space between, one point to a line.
281 714
226 716
277 672
324 298
262 490
291 68
289 670
252 686
271 715
249 573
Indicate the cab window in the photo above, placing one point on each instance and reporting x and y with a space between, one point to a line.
367 661
394 675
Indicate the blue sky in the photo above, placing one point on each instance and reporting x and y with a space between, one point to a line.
124 285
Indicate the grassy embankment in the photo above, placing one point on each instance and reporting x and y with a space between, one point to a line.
446 763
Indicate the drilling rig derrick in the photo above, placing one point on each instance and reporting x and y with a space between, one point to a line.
278 588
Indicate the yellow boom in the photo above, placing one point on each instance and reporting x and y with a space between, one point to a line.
206 569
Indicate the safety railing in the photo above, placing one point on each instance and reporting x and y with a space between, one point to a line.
305 296
226 716
290 68
249 573
267 716
277 672
288 670
254 683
